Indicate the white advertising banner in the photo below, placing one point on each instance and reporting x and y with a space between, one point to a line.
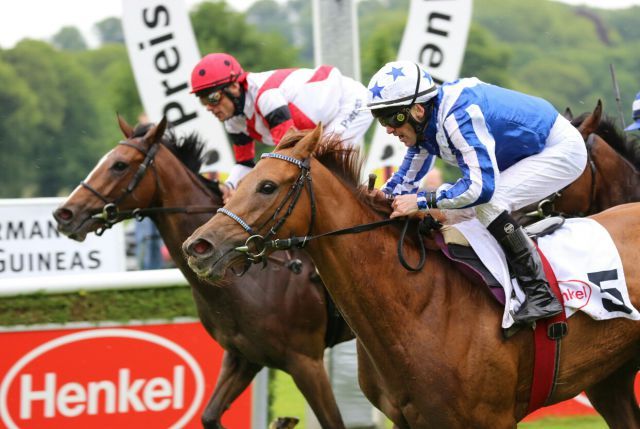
163 50
435 36
31 246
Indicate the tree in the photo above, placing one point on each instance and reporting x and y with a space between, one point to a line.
485 57
109 30
219 29
19 117
69 39
68 138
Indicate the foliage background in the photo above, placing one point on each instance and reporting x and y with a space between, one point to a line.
58 98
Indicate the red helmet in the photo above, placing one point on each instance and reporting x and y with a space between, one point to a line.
215 70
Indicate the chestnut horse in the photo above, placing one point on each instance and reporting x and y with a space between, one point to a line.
269 317
431 350
611 178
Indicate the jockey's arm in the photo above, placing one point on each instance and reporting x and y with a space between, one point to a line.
478 165
276 112
416 164
244 151
404 182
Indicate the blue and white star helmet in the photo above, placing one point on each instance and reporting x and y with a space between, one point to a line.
400 83
635 107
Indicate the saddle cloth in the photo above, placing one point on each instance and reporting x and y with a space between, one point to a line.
584 259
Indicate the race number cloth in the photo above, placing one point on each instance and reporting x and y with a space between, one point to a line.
584 260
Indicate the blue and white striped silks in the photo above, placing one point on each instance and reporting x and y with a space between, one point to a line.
481 128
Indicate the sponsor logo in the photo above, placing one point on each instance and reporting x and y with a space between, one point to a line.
129 375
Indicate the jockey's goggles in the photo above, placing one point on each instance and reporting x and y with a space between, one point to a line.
394 119
211 99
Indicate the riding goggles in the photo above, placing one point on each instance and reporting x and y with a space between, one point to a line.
394 120
212 99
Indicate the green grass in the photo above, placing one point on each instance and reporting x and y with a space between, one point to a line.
121 306
286 399
587 422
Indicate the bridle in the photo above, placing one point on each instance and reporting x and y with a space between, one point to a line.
546 207
257 245
111 214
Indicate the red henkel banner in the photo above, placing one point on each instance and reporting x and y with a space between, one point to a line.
155 376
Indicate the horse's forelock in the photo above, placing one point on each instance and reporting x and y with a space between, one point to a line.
342 160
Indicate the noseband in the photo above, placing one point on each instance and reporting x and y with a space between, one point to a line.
110 214
256 245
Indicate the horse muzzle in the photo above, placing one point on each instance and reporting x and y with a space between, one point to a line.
70 225
205 259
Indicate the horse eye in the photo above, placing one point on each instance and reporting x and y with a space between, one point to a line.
120 166
267 187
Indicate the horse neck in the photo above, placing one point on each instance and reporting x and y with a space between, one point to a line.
179 187
619 177
362 271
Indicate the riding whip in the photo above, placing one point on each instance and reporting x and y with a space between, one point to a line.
616 91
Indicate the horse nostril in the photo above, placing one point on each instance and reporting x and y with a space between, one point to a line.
64 215
201 247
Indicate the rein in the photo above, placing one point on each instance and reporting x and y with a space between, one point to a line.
546 207
110 214
256 245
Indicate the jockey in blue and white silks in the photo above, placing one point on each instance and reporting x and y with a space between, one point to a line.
512 149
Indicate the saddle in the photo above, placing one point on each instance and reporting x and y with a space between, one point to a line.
456 247
548 332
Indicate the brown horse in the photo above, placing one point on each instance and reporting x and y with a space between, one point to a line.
269 317
430 341
611 178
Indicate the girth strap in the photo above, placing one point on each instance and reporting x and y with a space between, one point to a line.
547 337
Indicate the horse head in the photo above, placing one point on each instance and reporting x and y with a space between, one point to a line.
118 182
270 202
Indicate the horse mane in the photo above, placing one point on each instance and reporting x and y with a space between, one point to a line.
345 162
189 150
616 138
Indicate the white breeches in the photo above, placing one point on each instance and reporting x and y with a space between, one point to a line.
561 162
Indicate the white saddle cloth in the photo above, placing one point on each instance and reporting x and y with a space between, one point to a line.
584 259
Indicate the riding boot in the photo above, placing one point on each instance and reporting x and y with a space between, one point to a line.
522 256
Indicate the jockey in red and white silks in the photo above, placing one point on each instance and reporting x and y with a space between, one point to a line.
267 104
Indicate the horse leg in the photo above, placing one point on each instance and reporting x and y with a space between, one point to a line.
236 374
371 385
312 380
614 398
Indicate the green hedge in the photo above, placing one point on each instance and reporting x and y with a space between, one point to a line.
118 305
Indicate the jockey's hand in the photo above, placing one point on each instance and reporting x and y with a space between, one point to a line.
438 215
227 192
404 205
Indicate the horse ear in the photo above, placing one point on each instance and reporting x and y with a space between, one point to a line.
568 114
126 129
591 122
155 133
305 147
